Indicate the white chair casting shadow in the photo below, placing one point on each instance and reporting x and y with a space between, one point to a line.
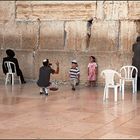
11 68
130 73
110 76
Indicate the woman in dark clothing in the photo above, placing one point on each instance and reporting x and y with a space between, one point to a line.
44 76
10 57
136 59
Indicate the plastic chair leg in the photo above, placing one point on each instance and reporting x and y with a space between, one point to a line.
12 79
106 93
104 97
115 94
133 86
6 80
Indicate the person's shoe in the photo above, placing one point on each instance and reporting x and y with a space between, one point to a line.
41 93
77 84
73 89
23 82
46 94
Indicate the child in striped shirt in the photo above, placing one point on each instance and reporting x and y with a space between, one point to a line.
74 74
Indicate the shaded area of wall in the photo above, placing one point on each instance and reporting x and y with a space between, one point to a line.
58 30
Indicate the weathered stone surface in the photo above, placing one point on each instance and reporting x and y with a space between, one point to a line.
128 35
100 10
28 34
76 32
26 63
134 10
104 36
7 10
52 35
115 10
1 35
55 10
12 36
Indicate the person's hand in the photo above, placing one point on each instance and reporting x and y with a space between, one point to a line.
57 63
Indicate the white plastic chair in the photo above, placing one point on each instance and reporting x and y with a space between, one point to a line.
109 76
8 65
127 73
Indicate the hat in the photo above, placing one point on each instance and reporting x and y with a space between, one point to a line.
10 53
45 60
74 61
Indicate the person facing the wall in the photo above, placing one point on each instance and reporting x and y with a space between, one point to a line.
44 76
136 59
11 57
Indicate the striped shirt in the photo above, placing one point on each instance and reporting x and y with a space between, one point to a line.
74 72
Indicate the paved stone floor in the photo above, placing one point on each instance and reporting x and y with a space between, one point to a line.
67 114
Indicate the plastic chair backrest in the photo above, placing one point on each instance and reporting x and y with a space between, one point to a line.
129 72
109 76
9 65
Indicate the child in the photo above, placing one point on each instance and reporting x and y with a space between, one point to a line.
74 74
92 71
44 76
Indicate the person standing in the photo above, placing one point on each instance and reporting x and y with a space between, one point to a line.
11 57
136 59
74 74
92 71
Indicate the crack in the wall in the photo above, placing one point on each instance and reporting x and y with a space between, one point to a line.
119 34
88 37
38 35
65 35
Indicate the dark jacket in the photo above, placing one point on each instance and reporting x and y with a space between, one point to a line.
12 59
136 56
44 76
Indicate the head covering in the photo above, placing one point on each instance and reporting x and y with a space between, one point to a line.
46 62
74 61
10 53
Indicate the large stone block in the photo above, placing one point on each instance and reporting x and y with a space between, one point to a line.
134 10
7 11
52 35
104 36
1 35
55 10
12 36
100 10
128 35
26 63
115 10
76 32
28 34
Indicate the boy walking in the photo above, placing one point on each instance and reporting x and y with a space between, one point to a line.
74 74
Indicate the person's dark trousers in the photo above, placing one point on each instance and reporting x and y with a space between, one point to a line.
21 76
138 83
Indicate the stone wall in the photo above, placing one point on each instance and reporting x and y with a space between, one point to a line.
58 30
